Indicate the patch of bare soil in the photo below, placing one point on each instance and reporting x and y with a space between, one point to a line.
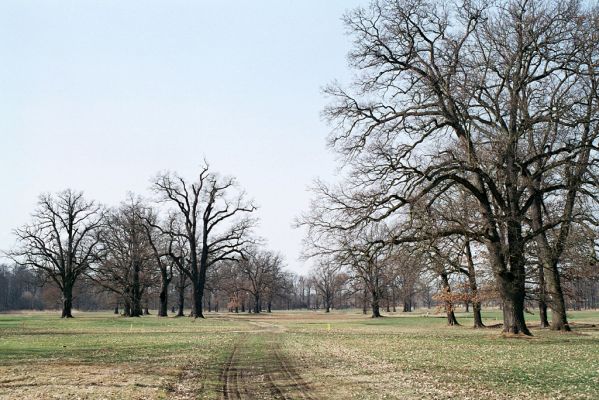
263 373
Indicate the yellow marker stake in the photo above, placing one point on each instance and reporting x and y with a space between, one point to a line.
328 327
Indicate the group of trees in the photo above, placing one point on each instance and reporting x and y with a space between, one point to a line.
190 229
469 141
470 138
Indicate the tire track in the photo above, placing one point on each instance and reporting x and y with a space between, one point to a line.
260 370
299 383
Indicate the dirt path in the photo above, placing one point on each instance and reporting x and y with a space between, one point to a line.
258 369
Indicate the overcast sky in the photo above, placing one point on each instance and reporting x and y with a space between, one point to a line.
98 96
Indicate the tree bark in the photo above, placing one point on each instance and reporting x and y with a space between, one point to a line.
512 294
197 296
451 319
476 306
67 301
136 310
163 297
542 299
181 292
257 303
376 312
549 258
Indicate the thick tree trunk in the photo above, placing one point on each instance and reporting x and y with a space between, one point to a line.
116 308
376 311
407 305
543 314
476 313
163 296
67 301
510 282
181 303
559 319
451 319
549 263
163 306
269 307
197 297
512 294
256 303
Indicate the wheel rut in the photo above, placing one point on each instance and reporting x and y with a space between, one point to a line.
258 369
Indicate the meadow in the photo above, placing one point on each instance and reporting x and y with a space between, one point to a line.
292 355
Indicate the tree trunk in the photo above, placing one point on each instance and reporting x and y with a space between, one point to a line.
116 308
549 258
559 319
542 299
197 296
181 293
163 296
512 294
67 301
476 306
376 312
163 306
451 319
256 303
136 310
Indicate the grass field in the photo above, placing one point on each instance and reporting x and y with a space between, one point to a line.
303 355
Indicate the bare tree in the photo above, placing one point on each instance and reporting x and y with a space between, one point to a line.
162 247
494 101
62 241
213 224
127 265
261 270
329 281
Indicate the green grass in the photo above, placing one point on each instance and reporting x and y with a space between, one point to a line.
341 355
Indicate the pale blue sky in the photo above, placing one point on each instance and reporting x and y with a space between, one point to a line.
100 95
